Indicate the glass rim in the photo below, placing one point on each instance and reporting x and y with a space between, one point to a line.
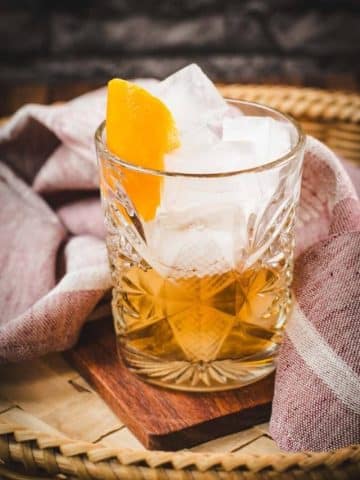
259 168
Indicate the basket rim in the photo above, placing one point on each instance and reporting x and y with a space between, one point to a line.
319 104
11 433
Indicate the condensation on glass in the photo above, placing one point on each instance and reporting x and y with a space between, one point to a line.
201 296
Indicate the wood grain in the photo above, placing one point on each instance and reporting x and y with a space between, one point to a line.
160 418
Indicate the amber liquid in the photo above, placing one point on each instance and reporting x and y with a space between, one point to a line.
200 333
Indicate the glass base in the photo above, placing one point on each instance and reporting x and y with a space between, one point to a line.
212 376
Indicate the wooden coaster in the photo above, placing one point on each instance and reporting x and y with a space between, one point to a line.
160 418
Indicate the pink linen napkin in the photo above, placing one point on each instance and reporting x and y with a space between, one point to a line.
316 403
54 270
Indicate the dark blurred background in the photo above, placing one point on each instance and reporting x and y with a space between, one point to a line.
54 50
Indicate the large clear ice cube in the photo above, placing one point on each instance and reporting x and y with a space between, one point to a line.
192 97
270 138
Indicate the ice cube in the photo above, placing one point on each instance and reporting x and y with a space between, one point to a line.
215 123
270 138
195 241
231 156
191 97
211 156
201 223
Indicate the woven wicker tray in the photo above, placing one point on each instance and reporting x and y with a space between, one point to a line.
52 422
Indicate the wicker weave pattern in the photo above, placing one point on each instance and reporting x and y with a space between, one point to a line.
333 117
88 461
315 104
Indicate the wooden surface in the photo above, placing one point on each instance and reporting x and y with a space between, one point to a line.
160 418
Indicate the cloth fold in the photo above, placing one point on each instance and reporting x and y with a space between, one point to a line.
54 270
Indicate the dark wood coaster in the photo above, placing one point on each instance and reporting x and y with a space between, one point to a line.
160 418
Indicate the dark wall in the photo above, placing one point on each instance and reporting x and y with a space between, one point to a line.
277 41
